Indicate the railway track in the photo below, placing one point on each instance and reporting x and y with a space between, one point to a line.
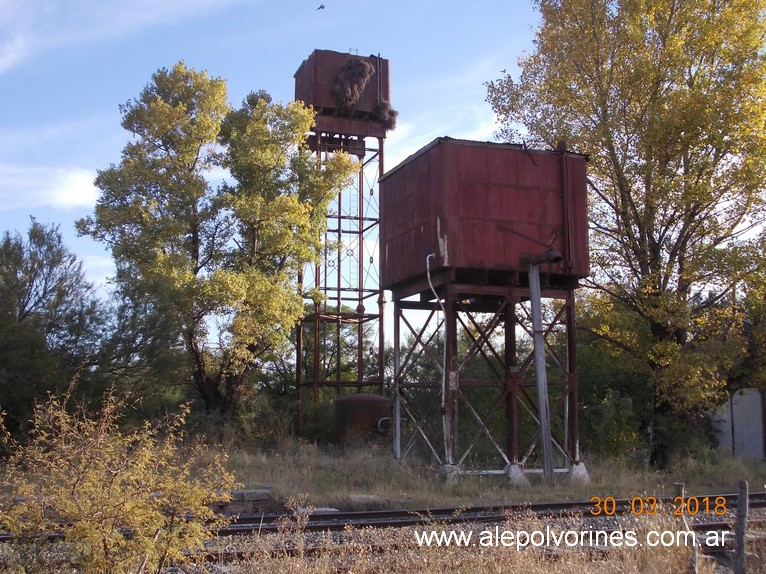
324 534
330 534
338 521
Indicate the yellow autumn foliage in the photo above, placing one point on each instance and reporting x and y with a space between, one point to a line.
124 500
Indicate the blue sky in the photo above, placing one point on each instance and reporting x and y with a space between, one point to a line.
66 65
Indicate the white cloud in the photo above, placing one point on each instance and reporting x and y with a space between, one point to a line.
23 141
60 188
13 50
98 270
31 28
73 188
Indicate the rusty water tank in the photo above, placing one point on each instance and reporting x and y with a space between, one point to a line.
480 207
340 108
357 415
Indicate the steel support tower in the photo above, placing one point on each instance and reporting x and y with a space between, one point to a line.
482 248
481 414
340 340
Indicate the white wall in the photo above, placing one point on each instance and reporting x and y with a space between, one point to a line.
745 408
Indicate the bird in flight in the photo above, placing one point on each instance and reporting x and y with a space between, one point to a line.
321 7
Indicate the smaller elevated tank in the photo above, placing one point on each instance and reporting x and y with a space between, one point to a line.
351 94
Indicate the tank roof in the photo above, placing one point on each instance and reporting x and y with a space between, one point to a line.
465 142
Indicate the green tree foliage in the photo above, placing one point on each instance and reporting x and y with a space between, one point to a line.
668 97
50 319
141 356
609 427
125 500
220 261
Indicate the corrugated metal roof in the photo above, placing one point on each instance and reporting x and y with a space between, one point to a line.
466 142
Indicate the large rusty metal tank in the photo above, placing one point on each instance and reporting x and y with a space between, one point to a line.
360 415
480 207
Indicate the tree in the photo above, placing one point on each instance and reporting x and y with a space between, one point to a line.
223 261
50 319
140 354
668 98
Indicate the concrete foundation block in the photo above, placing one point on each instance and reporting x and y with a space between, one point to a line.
578 473
449 472
517 476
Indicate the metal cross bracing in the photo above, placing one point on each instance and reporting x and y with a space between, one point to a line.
488 419
340 339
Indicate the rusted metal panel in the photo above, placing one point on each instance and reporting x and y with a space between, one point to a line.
480 205
349 126
358 415
317 76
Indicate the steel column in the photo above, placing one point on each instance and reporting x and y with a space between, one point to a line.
541 376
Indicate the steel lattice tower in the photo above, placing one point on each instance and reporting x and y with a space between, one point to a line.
340 340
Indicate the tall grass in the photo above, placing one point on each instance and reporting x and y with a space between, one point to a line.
338 478
395 551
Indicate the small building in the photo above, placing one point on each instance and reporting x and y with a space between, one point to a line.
739 425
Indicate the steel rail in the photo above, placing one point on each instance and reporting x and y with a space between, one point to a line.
335 521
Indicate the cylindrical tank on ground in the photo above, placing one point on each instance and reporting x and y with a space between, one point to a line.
358 415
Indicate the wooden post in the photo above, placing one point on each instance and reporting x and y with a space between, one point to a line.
742 509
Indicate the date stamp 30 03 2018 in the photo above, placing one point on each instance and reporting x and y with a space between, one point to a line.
650 506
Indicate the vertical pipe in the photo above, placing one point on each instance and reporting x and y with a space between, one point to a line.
763 421
381 343
379 76
516 378
338 285
397 390
567 459
740 531
568 251
381 295
298 366
510 365
732 427
315 367
446 396
540 372
572 383
360 279
449 378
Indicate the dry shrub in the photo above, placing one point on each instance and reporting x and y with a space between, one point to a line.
124 501
756 559
386 114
